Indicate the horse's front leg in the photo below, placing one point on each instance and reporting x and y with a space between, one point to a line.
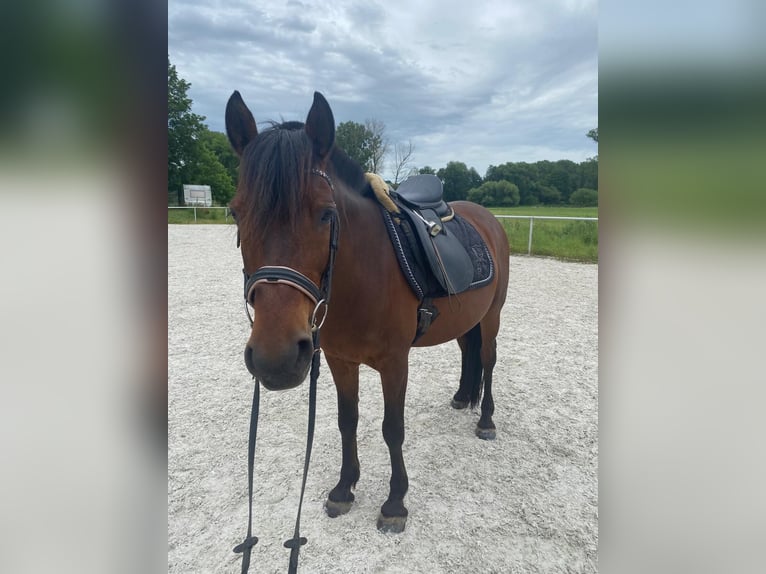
393 374
346 377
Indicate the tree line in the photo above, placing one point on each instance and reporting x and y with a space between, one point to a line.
198 155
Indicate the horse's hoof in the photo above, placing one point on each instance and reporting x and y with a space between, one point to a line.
334 509
485 434
459 404
393 524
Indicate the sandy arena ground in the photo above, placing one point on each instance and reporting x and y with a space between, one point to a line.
526 502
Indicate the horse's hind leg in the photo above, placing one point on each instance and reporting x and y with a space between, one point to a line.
346 377
470 370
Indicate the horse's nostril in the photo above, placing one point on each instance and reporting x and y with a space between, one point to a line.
249 359
305 348
281 368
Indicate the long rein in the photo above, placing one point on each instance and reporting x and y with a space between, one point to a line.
320 296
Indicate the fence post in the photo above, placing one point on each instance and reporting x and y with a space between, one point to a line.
195 214
531 226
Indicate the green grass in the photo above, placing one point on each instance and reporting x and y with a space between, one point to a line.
204 215
541 210
570 240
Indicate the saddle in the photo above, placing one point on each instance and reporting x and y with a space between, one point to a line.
439 252
420 199
424 192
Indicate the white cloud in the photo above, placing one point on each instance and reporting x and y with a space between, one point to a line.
483 82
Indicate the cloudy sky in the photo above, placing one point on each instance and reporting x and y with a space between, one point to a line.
483 82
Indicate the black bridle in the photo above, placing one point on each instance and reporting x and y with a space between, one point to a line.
320 296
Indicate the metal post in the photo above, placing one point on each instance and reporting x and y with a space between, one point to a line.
531 226
195 214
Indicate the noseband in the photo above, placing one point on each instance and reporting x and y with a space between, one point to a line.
320 296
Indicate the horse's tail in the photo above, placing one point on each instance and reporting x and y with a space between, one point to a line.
473 369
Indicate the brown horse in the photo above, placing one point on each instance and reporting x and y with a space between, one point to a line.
296 188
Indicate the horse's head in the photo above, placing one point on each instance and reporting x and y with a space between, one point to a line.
285 212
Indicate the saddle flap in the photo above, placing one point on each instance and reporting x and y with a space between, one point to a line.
446 255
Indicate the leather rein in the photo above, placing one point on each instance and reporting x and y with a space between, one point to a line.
320 296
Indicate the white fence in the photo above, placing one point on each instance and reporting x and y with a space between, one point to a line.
532 223
531 219
194 207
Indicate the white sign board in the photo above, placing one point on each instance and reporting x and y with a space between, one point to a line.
198 195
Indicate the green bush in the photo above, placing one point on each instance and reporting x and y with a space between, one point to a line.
495 194
549 195
584 197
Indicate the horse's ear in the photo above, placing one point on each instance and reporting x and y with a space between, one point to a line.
240 124
320 126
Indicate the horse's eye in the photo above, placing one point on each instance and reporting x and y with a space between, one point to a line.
328 214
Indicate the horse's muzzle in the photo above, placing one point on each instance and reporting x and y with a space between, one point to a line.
279 373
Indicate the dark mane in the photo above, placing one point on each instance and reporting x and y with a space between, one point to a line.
348 171
274 173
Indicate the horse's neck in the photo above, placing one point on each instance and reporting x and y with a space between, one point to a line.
363 237
369 293
357 213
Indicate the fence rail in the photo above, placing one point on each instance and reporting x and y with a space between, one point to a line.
195 207
531 219
532 223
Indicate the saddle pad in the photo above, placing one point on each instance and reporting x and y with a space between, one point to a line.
417 271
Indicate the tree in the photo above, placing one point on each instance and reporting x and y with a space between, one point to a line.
218 143
549 195
402 160
184 129
524 175
584 197
365 144
208 170
495 194
196 155
378 144
564 177
351 137
457 180
588 173
427 170
593 134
